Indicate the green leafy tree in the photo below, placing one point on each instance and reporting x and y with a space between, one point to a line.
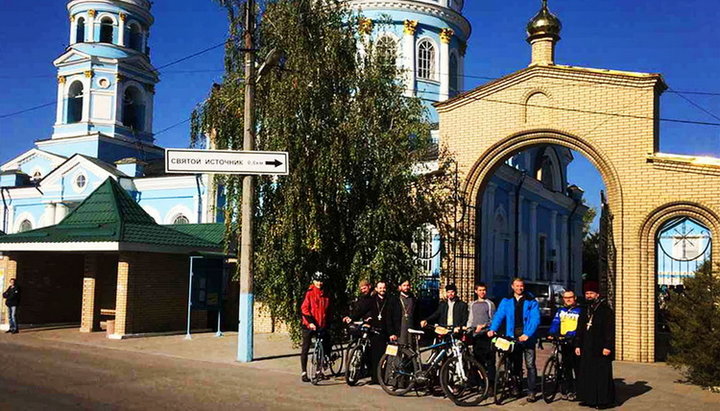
354 200
694 320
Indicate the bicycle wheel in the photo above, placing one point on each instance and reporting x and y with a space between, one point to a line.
468 391
395 373
316 364
335 359
550 382
502 382
355 367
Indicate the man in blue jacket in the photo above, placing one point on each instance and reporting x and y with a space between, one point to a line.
564 325
521 314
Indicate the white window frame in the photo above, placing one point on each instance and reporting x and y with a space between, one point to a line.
434 62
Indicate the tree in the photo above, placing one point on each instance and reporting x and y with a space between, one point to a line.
694 320
353 202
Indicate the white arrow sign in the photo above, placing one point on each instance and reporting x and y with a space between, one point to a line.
226 162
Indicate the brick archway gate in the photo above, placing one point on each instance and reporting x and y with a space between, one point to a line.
611 117
478 176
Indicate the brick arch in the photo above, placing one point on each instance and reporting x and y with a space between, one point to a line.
481 172
483 169
648 260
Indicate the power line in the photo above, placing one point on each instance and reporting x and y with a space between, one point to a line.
699 107
27 110
574 110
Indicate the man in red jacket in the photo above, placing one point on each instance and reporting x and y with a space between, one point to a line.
315 311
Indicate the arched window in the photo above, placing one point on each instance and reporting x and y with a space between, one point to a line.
80 30
136 37
106 30
453 72
181 219
75 102
26 225
426 60
386 48
133 115
548 171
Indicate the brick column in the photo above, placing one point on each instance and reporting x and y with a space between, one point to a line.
122 320
90 319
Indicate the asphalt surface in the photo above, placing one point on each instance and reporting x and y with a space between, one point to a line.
41 372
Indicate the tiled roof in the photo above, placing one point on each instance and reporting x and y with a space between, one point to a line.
109 214
213 232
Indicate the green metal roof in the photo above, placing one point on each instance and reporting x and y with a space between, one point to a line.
109 214
211 232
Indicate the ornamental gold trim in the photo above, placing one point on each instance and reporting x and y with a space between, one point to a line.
88 73
62 79
123 16
365 26
119 77
410 26
72 19
446 35
92 12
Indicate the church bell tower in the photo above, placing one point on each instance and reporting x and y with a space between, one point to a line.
106 83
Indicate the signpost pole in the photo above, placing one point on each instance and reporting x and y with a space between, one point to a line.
245 325
190 280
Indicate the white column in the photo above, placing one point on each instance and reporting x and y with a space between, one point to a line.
87 83
60 100
564 249
510 258
553 243
522 249
532 242
121 29
48 217
408 47
445 38
61 210
118 99
90 26
488 223
73 30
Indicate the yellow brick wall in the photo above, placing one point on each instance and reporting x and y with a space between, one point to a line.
609 117
152 294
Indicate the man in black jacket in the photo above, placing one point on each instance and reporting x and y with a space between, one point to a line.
12 300
402 314
452 312
377 312
362 306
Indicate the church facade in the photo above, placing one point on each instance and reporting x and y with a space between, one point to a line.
103 129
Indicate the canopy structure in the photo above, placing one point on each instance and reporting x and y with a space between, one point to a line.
111 220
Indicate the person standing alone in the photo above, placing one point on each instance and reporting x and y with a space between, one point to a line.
12 300
315 312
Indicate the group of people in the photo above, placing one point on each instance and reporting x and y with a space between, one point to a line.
588 331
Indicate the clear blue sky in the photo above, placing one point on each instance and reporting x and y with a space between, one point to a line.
675 38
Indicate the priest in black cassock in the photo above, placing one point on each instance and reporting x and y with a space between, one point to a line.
595 344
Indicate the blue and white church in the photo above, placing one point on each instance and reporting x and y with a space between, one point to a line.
531 216
103 129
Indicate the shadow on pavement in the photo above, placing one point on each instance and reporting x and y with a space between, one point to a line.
275 357
625 391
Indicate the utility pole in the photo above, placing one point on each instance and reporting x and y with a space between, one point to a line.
245 326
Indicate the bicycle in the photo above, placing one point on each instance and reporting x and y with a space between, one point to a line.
322 361
401 368
463 379
553 378
357 366
506 382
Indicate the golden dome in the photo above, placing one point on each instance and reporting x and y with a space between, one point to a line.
544 24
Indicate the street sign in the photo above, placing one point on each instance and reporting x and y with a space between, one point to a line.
187 161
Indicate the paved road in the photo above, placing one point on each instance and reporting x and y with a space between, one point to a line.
38 373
